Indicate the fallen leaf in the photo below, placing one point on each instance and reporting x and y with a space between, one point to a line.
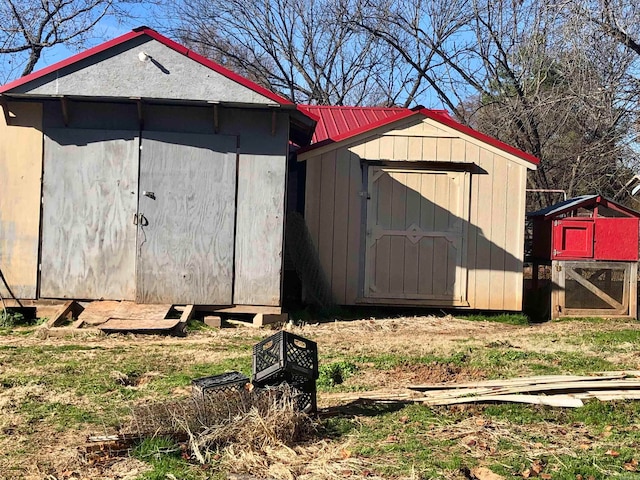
584 446
344 453
483 473
612 453
545 476
392 439
526 473
538 445
472 442
631 466
404 419
537 466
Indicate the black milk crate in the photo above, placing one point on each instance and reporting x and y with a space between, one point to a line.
303 389
226 382
285 352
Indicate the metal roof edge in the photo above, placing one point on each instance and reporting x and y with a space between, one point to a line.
448 121
404 114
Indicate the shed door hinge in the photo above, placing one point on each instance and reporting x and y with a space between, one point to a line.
365 195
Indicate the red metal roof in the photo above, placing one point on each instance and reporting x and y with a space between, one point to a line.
137 32
337 123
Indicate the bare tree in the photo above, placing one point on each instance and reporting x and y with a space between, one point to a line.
526 73
308 50
27 27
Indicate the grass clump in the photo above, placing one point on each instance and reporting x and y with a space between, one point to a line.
224 427
335 373
518 319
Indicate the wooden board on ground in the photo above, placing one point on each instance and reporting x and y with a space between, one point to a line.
96 313
64 311
128 325
567 401
512 382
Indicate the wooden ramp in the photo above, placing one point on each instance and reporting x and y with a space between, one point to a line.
113 316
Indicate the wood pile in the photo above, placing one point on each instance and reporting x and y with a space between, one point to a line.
551 390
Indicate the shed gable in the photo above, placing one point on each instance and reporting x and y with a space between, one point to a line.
424 139
146 68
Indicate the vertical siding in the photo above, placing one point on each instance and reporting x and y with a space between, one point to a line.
515 236
327 217
496 234
20 190
354 229
340 226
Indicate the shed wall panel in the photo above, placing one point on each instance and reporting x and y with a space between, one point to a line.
185 238
262 164
20 190
90 194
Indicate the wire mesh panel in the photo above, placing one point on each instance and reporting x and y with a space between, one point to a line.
594 289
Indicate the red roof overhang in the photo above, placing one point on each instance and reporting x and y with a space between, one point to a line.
439 116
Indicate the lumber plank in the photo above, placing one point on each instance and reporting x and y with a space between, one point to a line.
249 309
566 387
99 312
540 379
62 312
187 314
566 401
125 324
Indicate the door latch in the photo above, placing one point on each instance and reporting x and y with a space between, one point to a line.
140 219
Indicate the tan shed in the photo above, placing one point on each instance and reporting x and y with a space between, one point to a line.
410 208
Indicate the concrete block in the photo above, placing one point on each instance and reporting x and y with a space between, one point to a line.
262 319
213 321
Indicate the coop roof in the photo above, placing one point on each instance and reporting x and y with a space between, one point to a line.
339 123
583 201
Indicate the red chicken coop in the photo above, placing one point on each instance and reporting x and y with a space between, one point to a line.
591 243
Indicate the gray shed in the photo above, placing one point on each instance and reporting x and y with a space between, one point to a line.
139 170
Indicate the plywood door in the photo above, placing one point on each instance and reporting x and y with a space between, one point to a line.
186 218
90 194
416 223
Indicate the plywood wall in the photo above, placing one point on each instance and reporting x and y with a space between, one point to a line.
20 173
494 243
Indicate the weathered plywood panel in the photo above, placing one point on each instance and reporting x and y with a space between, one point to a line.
499 202
20 191
260 229
185 235
89 199
312 204
165 74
